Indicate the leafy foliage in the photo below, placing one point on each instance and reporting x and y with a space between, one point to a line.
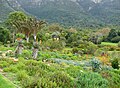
91 80
115 63
4 35
95 64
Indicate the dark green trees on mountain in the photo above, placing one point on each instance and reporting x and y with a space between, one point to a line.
79 13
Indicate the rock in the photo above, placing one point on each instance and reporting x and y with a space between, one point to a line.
15 60
11 58
3 54
1 70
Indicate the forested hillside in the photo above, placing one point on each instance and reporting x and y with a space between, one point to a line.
5 9
79 13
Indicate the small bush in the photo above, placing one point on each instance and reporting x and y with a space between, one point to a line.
87 47
113 77
26 54
96 64
27 82
46 83
62 80
115 63
20 35
11 68
91 80
3 64
54 45
11 62
74 70
21 75
20 65
116 39
75 50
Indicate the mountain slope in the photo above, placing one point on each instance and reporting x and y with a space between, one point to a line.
83 13
67 12
107 11
4 9
7 6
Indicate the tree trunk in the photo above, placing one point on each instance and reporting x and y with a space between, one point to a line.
27 39
35 53
18 50
13 35
8 45
35 37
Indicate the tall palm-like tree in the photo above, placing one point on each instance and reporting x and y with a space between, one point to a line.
31 26
14 20
36 26
26 29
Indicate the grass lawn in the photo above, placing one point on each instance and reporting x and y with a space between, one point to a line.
109 43
4 83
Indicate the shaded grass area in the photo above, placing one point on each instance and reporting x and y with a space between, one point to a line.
109 43
4 83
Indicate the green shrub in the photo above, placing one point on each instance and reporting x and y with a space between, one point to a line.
4 35
113 77
75 50
116 39
33 70
47 68
62 80
114 54
11 68
3 64
27 82
20 65
87 47
46 83
114 80
99 52
74 70
21 75
11 62
28 45
58 45
35 67
115 63
112 48
20 35
26 54
32 63
96 64
91 80
31 82
21 59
